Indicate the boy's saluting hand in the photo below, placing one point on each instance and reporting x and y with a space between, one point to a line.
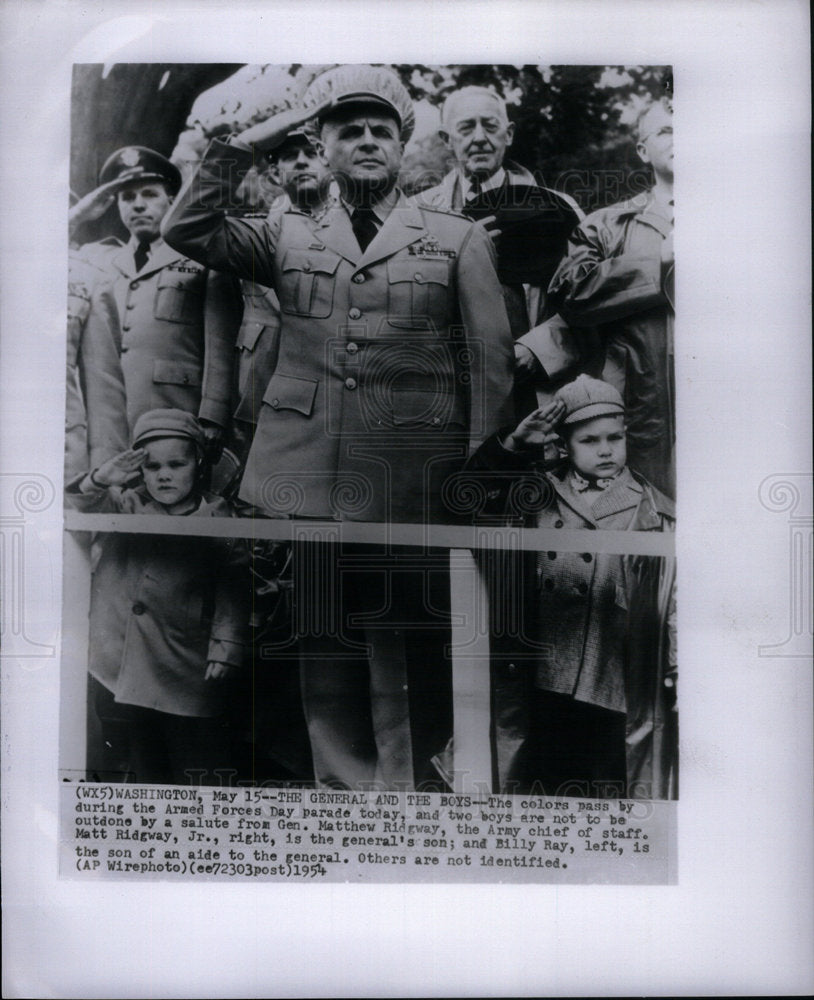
537 429
118 470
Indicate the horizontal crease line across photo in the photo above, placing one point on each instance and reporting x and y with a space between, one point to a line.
442 536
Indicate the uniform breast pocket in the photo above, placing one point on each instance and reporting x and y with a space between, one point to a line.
249 334
290 392
417 293
179 297
425 409
307 283
175 385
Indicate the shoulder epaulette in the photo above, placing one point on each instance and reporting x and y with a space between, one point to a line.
440 210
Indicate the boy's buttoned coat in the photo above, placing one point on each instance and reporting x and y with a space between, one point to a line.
164 605
393 363
590 625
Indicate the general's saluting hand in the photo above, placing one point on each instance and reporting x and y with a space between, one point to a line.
269 134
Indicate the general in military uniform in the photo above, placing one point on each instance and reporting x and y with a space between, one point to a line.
175 322
395 360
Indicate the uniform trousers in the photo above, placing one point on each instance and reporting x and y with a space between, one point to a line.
376 681
574 749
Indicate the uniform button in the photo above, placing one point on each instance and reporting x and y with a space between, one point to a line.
418 276
306 266
134 285
512 668
583 588
552 555
185 380
436 420
358 278
275 403
351 348
138 608
354 313
549 584
587 557
125 350
125 328
350 383
558 524
131 305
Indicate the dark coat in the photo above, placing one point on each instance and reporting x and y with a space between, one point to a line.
612 278
596 626
393 363
162 606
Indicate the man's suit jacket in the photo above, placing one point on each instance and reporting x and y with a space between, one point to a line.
174 328
393 363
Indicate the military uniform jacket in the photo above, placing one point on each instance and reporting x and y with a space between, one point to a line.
175 329
594 626
88 277
258 343
164 605
393 363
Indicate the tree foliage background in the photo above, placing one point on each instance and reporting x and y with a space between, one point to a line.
572 123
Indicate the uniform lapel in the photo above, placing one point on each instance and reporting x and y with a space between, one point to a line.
159 258
336 232
402 227
123 261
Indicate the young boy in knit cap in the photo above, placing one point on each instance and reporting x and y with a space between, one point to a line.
587 714
168 614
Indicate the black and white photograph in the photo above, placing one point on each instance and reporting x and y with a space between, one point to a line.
461 469
330 295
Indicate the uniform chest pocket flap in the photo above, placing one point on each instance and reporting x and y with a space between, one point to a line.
249 334
174 373
417 293
307 282
434 409
179 297
289 392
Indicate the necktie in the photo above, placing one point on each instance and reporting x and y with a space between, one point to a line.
475 188
364 225
141 254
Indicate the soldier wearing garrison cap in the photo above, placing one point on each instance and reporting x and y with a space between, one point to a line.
174 323
395 360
